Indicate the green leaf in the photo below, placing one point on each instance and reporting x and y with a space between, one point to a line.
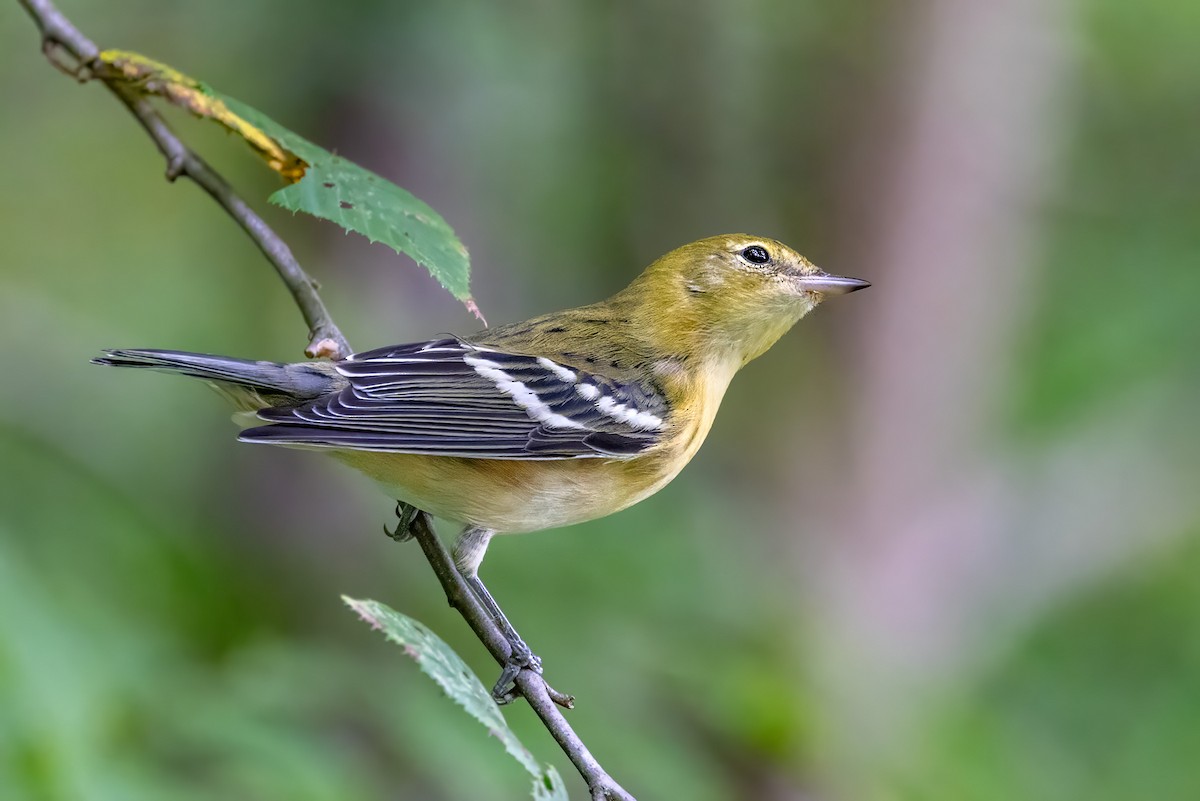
445 667
321 184
359 200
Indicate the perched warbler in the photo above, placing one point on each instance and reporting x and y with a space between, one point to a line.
559 419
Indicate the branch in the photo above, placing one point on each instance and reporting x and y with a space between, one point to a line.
59 35
531 685
325 340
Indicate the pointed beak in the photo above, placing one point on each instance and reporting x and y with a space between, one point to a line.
831 284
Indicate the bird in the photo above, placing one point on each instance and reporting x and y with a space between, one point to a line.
540 424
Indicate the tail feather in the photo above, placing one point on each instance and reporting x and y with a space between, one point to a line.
273 382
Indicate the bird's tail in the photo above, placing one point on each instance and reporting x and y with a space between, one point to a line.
249 384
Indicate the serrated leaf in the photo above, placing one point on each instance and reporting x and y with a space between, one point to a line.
336 189
321 184
445 667
360 201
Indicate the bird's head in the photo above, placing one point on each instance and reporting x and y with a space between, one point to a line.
736 294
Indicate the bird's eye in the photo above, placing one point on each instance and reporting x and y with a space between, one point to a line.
756 254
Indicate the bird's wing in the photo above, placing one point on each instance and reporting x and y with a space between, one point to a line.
449 397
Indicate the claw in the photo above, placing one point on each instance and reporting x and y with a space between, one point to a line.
505 690
406 514
176 166
522 658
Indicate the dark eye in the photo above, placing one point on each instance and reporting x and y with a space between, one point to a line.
756 254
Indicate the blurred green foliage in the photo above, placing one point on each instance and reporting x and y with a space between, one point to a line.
1098 702
1117 306
169 622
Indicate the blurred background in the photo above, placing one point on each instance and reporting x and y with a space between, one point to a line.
944 542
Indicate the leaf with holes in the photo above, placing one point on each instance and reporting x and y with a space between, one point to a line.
357 199
445 667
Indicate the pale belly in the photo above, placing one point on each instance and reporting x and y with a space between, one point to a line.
510 496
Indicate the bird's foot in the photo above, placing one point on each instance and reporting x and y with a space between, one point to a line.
406 514
519 658
522 658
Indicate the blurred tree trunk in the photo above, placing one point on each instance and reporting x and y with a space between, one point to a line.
947 230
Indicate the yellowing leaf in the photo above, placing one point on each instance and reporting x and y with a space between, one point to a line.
155 78
321 184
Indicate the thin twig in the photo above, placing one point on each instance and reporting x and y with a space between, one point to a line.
59 35
325 340
544 701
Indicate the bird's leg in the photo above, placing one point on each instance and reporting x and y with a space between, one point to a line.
406 514
468 554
